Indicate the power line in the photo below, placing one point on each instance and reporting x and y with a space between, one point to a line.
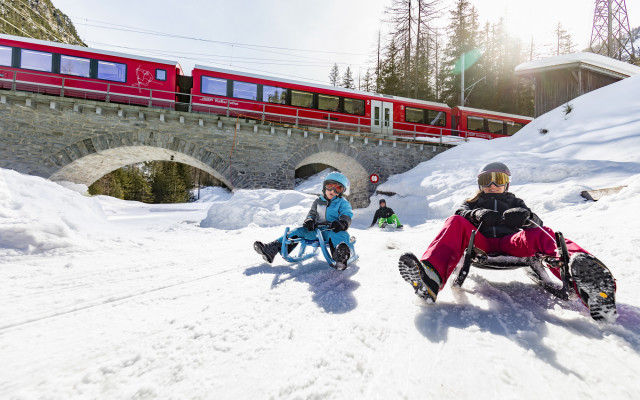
126 28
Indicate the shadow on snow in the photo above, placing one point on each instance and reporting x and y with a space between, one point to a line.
332 289
523 313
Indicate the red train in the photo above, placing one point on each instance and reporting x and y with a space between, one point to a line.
59 69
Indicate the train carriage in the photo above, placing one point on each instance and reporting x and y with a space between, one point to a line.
76 71
485 124
67 70
232 93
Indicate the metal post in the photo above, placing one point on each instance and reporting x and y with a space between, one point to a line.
462 80
13 84
227 108
150 97
296 117
62 88
108 92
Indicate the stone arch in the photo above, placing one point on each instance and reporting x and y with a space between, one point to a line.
88 168
341 158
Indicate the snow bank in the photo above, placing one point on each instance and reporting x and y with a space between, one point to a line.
593 146
261 207
37 215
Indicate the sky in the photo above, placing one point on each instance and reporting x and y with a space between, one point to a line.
299 40
102 298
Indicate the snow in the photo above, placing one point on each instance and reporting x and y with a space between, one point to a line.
593 59
103 298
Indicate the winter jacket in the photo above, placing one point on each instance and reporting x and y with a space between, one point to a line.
336 209
499 202
382 212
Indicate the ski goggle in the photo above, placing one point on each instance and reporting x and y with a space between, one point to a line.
497 178
334 187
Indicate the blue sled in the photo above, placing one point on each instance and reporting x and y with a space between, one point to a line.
314 245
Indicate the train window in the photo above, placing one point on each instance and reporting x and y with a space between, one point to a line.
5 56
328 103
475 124
513 127
111 71
74 66
354 106
214 86
301 99
436 118
244 90
272 94
415 115
495 126
36 60
161 74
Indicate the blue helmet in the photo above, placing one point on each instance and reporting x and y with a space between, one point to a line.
336 177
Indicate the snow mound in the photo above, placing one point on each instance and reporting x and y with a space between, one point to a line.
37 215
261 207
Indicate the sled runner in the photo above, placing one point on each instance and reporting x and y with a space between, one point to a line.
309 248
535 267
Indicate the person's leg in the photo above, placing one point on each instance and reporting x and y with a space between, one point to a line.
448 247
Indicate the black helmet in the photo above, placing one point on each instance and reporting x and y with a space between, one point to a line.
496 170
382 201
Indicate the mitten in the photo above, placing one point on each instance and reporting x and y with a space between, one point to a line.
338 226
516 217
310 224
486 216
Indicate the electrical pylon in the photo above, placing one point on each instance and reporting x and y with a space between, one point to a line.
610 34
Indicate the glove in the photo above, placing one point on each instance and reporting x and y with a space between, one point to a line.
516 217
310 224
338 226
486 216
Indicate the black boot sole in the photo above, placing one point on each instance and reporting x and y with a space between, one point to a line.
596 287
409 267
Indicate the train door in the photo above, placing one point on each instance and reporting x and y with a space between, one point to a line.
381 117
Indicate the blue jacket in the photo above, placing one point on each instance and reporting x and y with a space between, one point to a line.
337 209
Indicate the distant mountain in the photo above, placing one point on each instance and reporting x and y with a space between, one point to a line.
37 19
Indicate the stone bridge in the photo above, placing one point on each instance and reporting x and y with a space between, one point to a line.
77 140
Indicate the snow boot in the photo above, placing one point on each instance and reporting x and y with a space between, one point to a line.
424 279
595 285
267 251
341 255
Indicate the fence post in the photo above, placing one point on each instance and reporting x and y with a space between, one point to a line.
150 97
190 102
228 108
62 88
263 112
13 84
296 117
108 92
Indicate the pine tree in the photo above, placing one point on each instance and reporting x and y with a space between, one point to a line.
463 40
334 75
347 79
390 73
402 24
367 82
564 41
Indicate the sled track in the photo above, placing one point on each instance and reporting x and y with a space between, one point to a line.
114 299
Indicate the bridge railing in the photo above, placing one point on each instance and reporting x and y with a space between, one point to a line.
110 92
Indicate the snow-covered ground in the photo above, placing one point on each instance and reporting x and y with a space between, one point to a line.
108 299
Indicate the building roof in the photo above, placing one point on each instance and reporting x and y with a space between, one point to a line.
584 60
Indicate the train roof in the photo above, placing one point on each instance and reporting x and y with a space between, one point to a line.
501 114
360 92
86 49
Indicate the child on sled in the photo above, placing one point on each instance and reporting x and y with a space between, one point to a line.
330 208
505 225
